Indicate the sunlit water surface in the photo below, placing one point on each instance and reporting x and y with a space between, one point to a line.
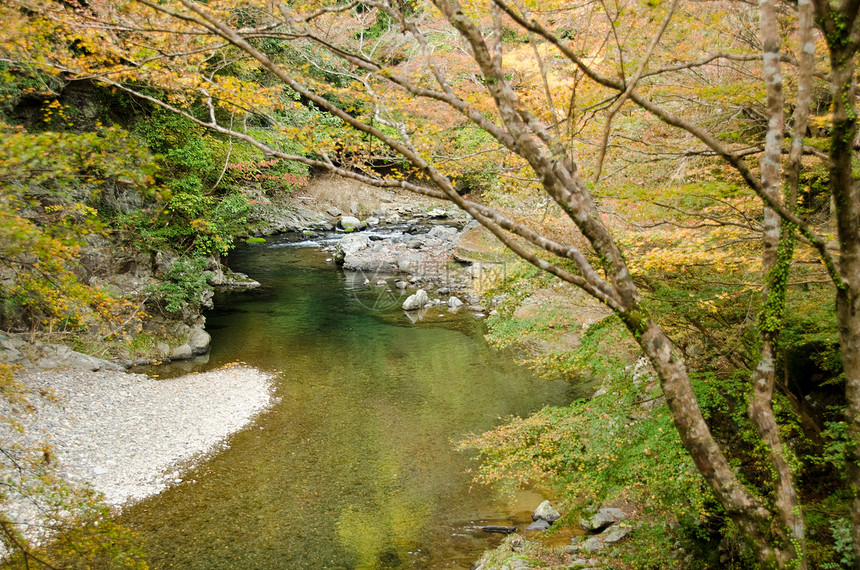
355 466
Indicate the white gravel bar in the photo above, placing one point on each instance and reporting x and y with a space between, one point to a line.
129 436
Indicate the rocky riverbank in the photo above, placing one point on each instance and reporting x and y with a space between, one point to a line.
128 436
418 258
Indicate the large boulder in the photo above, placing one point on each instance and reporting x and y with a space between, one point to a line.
409 262
198 340
546 512
417 301
437 213
10 350
443 233
615 534
181 352
349 245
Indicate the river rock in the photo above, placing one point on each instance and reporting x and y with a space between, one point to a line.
611 536
404 264
10 350
198 340
454 302
615 534
181 352
539 525
444 233
163 349
350 245
334 212
235 280
56 355
546 512
349 223
603 518
417 301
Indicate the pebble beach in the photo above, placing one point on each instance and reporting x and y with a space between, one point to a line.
129 436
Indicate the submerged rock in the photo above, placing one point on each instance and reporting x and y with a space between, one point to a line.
499 529
417 301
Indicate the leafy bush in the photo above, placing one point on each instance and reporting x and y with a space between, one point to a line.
183 284
43 224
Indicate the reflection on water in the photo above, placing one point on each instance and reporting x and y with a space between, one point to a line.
354 467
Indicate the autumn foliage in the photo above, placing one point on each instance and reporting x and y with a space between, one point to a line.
675 162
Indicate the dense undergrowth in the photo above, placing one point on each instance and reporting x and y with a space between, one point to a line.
619 445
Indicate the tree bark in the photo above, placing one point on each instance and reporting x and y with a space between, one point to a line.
843 38
847 200
777 253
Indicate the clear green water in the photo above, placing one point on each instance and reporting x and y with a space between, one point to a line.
354 467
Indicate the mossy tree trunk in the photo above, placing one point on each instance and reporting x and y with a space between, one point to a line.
842 32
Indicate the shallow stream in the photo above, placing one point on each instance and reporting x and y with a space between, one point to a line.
355 466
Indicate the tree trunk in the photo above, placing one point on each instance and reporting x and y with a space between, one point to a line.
743 508
777 253
847 200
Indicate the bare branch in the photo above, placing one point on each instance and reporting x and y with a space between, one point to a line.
729 156
630 87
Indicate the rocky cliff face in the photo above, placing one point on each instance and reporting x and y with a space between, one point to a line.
150 334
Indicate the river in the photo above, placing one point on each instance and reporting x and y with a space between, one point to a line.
355 466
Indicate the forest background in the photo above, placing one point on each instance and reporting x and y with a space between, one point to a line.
690 166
